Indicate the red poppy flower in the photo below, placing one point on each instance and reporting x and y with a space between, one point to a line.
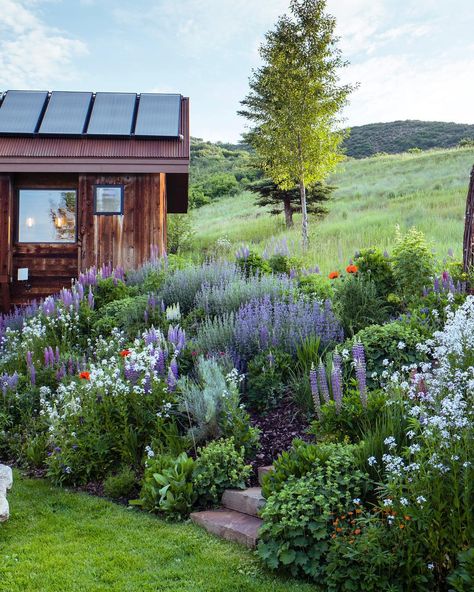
352 269
85 375
124 353
333 275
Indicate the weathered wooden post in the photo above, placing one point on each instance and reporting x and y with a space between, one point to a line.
468 244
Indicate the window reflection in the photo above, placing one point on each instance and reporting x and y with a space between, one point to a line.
47 216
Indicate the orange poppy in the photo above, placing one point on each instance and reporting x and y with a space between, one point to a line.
352 269
333 275
357 531
85 375
124 353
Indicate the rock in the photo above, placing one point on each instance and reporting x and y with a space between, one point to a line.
230 525
6 482
248 501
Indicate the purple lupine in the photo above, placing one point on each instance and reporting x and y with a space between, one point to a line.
151 303
70 366
323 382
32 372
313 380
61 373
151 336
160 363
243 253
9 382
145 316
147 383
171 380
66 298
131 373
174 367
336 381
90 299
49 306
358 354
177 337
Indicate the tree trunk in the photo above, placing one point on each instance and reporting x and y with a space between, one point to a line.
288 212
304 209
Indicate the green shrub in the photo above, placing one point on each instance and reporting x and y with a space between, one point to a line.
316 287
299 514
168 486
109 290
121 484
373 264
252 264
284 264
219 466
462 578
393 342
358 303
127 315
413 264
179 233
267 377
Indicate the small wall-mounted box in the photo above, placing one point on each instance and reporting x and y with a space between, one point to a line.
22 274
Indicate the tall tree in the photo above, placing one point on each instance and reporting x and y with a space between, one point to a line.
289 200
295 98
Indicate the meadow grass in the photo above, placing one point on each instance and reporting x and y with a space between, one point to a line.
373 196
71 542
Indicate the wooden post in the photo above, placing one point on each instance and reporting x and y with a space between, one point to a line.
468 243
6 238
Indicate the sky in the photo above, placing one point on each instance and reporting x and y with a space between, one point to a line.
413 59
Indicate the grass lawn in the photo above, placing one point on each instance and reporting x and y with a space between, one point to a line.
57 541
373 196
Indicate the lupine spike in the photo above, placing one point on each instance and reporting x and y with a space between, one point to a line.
313 380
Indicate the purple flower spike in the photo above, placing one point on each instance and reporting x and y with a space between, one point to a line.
358 353
90 299
32 372
174 367
313 380
336 381
171 380
323 382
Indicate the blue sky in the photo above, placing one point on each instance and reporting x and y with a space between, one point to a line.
414 59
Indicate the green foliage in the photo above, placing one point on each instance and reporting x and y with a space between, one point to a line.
253 264
284 264
359 304
462 578
267 377
220 185
413 263
179 232
121 484
373 264
298 515
316 287
394 342
197 197
168 486
219 466
352 422
109 290
126 314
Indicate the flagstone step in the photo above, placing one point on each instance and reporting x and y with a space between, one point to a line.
6 482
248 501
230 525
262 471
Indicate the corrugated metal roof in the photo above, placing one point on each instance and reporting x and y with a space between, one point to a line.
100 148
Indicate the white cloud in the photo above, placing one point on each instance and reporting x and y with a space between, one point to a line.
33 54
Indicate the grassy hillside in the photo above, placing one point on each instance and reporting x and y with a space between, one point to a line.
374 195
399 136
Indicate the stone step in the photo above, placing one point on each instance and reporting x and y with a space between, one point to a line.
6 482
229 525
248 501
263 471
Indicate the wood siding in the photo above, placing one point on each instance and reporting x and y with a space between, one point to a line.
123 240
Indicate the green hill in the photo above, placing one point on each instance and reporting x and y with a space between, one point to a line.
400 136
373 196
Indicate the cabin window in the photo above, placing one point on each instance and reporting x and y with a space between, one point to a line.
108 199
47 215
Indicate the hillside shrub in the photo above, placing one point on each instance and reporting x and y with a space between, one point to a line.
376 266
413 264
316 287
179 233
462 578
251 263
121 484
219 466
109 289
284 264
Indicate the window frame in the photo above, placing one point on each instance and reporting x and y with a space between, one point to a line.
17 215
120 186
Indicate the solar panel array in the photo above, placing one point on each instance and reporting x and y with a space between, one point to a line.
63 113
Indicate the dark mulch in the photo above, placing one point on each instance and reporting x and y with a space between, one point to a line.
278 428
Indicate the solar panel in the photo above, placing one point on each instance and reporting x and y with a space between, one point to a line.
21 110
66 113
158 115
112 114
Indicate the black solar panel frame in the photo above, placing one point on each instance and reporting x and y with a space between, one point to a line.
108 130
157 130
66 111
36 112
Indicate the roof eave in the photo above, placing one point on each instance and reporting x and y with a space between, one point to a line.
93 165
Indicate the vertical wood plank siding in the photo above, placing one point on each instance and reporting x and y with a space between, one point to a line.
121 240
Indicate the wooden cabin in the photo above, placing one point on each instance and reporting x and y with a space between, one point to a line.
86 179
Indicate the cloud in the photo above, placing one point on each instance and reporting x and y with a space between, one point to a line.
33 54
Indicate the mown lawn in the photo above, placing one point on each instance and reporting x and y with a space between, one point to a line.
58 541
